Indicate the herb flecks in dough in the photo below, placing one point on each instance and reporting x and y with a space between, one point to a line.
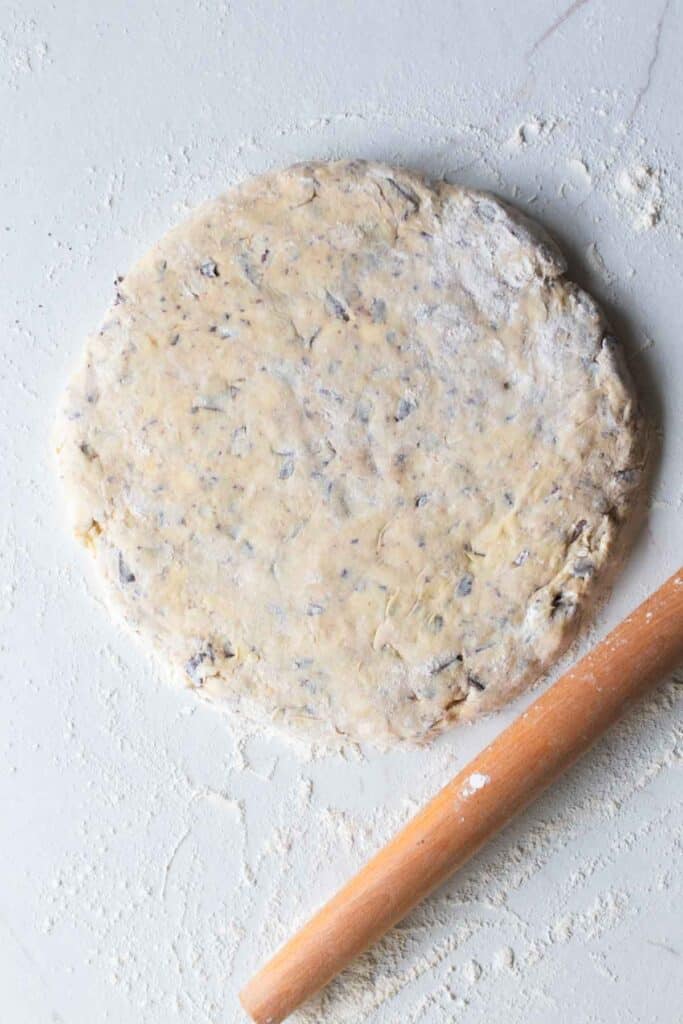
336 307
209 269
351 452
125 575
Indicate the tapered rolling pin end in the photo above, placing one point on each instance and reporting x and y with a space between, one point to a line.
526 758
265 1007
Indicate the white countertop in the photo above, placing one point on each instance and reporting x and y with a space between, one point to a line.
152 854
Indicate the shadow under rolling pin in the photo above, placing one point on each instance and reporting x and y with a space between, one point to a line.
511 772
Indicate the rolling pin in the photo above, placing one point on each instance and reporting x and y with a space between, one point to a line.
511 772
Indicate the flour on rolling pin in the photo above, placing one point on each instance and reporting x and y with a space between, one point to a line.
473 783
350 451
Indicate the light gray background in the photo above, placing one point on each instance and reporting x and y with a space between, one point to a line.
151 854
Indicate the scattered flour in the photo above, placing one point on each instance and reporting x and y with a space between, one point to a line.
639 193
504 959
579 172
190 847
279 867
535 129
221 884
471 972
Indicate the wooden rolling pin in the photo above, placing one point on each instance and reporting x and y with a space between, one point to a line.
530 754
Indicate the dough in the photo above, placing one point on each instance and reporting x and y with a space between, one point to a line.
350 451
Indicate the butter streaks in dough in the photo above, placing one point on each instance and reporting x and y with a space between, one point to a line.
349 450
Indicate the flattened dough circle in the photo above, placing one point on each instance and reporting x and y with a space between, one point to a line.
350 451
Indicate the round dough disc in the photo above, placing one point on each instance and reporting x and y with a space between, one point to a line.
350 451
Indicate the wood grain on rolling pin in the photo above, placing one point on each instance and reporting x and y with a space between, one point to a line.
538 746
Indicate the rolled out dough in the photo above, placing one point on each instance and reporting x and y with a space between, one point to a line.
349 451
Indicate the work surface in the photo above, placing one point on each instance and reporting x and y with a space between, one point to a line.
152 851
